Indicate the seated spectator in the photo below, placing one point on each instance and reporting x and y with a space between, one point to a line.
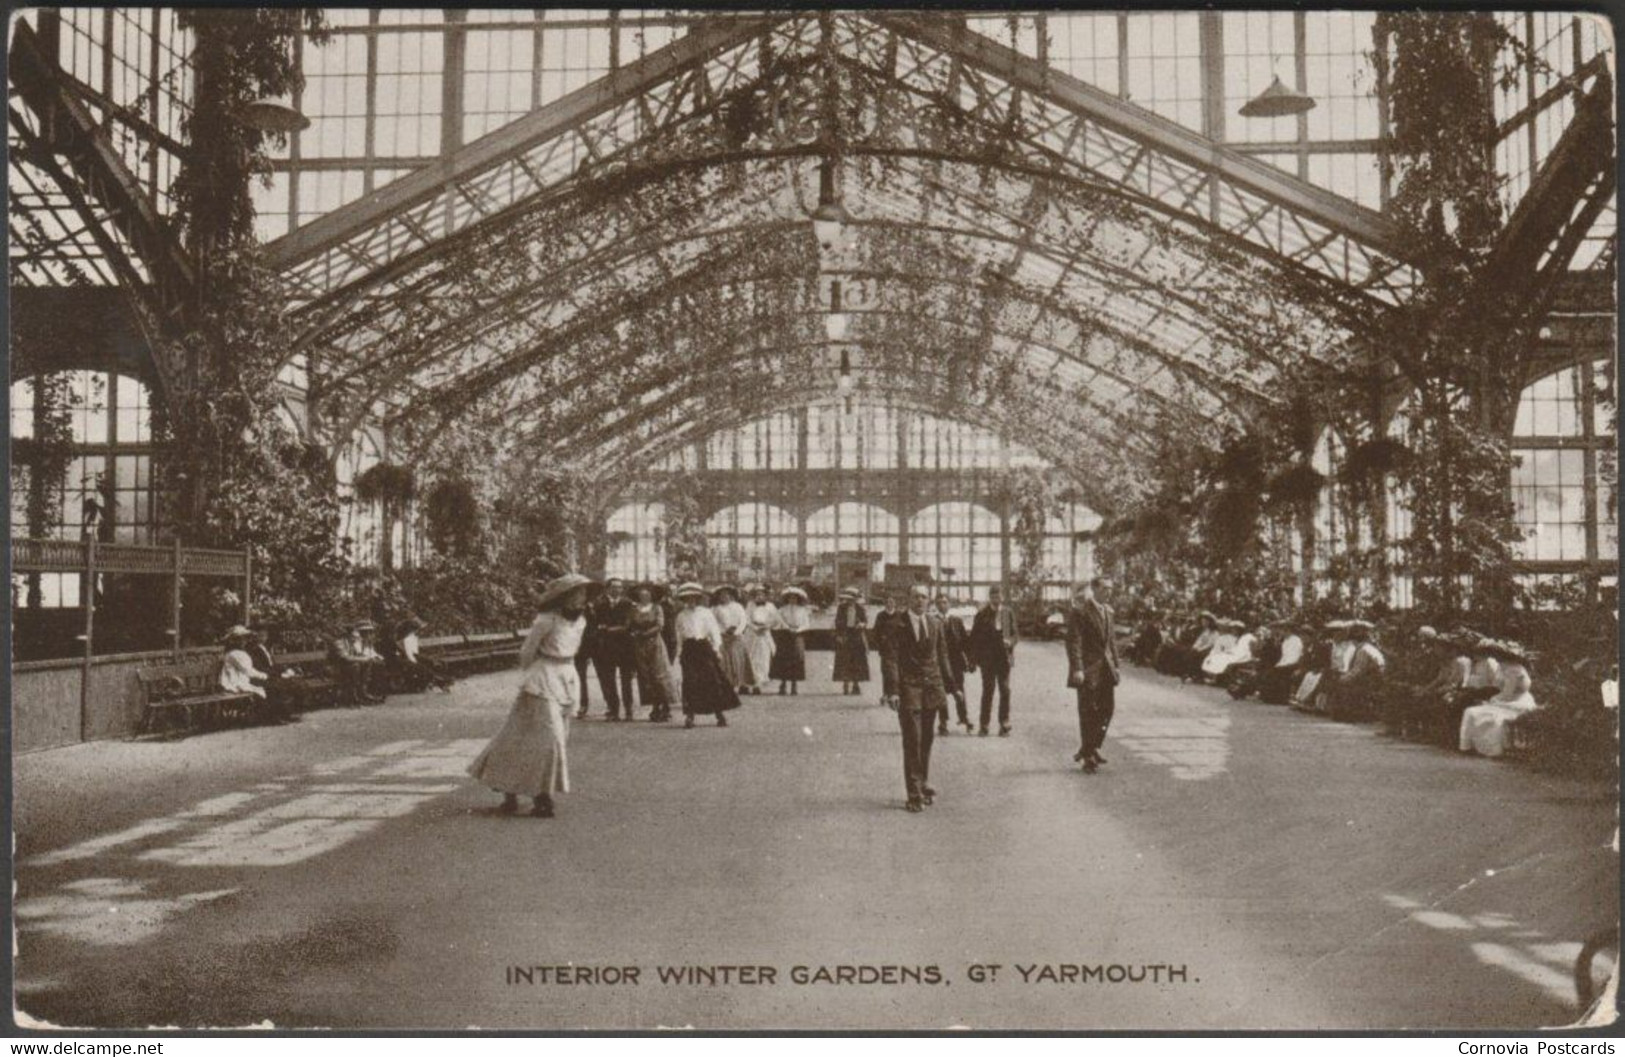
1321 661
1413 707
355 660
277 693
1483 681
1275 684
1143 651
1234 646
1354 691
410 667
1484 727
1185 659
237 672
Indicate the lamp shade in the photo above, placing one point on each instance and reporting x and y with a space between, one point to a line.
273 114
1278 101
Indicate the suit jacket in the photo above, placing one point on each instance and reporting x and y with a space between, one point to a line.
918 665
992 637
887 627
1091 644
612 637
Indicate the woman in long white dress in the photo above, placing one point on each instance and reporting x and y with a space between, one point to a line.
529 756
761 617
1484 727
1231 648
731 619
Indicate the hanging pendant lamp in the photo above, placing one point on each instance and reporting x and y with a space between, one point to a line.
273 114
1278 101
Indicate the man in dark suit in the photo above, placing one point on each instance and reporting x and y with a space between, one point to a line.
954 637
992 647
1091 652
612 648
920 674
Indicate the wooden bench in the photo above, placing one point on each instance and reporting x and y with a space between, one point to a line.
476 656
191 690
314 687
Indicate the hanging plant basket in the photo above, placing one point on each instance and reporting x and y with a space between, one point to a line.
1295 485
386 482
1375 458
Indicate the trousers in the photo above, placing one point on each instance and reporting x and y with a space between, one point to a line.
611 669
1095 707
996 675
919 733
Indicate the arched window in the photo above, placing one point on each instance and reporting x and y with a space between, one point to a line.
637 549
756 537
1565 477
853 527
962 542
107 486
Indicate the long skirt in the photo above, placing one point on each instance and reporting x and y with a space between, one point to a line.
1484 727
707 689
789 658
656 684
528 756
758 643
851 658
733 660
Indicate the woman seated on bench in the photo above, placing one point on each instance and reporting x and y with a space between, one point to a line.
1484 727
354 659
237 672
1352 692
1328 653
1233 646
411 668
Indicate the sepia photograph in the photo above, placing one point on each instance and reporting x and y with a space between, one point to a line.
827 520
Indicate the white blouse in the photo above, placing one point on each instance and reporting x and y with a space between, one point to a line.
1291 652
552 638
730 616
763 617
699 623
795 618
237 674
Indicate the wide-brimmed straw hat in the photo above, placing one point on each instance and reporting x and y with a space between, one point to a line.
236 631
361 625
1361 625
560 586
793 590
847 592
721 589
688 590
1428 633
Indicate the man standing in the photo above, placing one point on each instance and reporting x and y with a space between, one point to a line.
920 673
1091 652
954 637
992 646
612 641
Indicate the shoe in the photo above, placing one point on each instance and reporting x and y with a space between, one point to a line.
795 691
982 732
942 732
1088 767
1079 756
688 722
1004 730
510 804
915 806
542 809
1099 759
722 720
967 725
928 794
581 713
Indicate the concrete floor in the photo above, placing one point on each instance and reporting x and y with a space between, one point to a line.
341 872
